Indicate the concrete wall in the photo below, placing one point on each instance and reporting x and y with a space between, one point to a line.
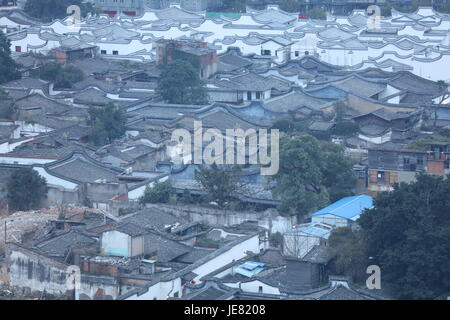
92 287
35 272
101 193
57 195
215 217
137 246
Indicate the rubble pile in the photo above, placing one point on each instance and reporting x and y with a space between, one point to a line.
21 223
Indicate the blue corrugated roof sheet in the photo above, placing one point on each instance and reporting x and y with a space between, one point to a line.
250 268
348 207
320 230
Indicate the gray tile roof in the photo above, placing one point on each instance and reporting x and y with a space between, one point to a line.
321 126
79 167
91 96
58 246
217 118
247 82
194 255
274 16
360 86
37 101
131 229
209 293
152 218
177 14
343 293
415 84
293 101
26 83
166 249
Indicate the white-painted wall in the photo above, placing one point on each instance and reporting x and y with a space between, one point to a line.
235 253
115 243
25 161
254 287
55 181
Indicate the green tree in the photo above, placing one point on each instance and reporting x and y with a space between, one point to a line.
160 193
8 67
180 84
340 109
444 7
349 253
317 14
238 6
289 5
220 185
444 92
284 125
312 173
48 10
386 11
107 123
6 105
187 197
61 76
25 189
408 236
345 128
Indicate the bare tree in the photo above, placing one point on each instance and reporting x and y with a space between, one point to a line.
445 94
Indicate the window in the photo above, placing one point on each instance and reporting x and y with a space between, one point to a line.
115 52
249 95
420 161
265 52
297 53
306 53
381 176
260 289
258 95
18 49
405 161
102 51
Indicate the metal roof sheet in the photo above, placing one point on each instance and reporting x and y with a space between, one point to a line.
347 208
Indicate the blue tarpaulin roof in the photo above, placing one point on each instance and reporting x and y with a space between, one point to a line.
347 208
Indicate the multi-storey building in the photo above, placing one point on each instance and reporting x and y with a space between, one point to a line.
194 5
387 166
197 53
115 7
